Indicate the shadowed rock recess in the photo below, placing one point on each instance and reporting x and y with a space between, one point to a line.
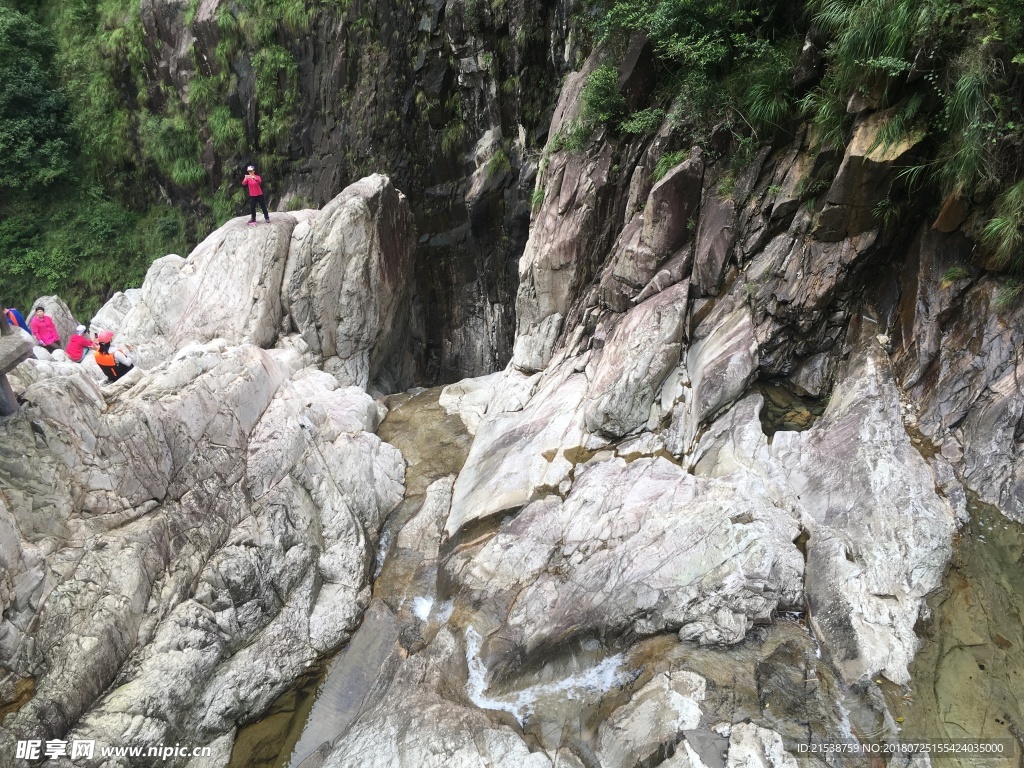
608 554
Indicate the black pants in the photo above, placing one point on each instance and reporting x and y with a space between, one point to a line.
252 207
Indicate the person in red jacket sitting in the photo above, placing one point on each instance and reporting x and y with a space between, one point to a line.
255 186
113 364
79 344
45 331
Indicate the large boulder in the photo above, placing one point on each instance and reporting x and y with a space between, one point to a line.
642 547
228 288
112 314
520 455
348 290
634 362
186 525
420 722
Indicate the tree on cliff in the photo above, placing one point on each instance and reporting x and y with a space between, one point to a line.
34 144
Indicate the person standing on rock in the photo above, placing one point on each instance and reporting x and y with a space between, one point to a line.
113 364
45 331
79 344
15 319
255 186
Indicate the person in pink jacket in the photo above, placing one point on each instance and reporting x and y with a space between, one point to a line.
44 330
254 184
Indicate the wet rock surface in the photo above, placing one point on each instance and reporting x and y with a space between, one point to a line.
966 678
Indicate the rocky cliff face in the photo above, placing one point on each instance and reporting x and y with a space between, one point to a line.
450 99
636 562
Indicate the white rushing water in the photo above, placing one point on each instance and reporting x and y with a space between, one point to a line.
421 607
598 679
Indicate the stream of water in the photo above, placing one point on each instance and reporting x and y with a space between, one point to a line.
968 677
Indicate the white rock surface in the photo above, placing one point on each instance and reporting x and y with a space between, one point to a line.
719 364
418 724
519 455
348 290
880 533
225 545
229 287
641 546
751 746
634 362
652 720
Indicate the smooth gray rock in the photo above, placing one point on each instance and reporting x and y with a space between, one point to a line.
716 234
634 362
228 288
880 534
641 546
652 720
719 364
751 746
518 456
630 267
348 289
112 314
568 234
671 205
420 722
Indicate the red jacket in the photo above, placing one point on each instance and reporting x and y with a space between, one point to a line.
253 183
77 345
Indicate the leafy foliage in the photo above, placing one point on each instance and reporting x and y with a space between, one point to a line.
727 62
34 139
950 71
83 250
601 98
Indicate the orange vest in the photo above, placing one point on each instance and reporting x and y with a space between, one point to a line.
113 369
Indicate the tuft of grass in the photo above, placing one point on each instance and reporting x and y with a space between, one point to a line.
573 138
1009 294
499 163
536 198
667 162
955 274
1003 234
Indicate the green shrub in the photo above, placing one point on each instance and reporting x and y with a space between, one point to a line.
226 131
643 122
951 72
601 99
